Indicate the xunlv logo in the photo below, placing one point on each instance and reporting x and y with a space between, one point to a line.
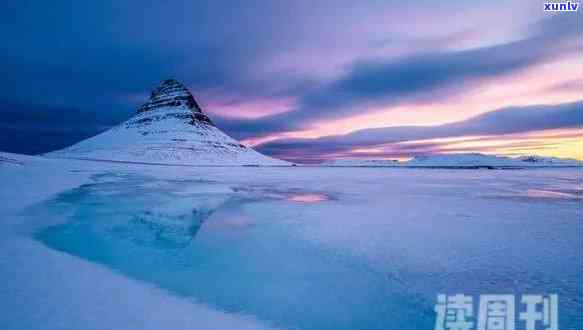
561 6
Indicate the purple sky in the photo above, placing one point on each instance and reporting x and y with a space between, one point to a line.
303 80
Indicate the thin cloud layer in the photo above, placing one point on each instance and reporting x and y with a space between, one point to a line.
498 122
418 78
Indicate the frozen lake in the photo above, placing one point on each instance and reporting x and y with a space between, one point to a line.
322 248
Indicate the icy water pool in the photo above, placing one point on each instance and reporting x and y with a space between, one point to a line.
344 258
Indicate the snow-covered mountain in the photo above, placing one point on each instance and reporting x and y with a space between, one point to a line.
169 129
481 160
550 161
467 160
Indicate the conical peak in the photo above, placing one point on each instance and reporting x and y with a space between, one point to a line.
167 88
170 93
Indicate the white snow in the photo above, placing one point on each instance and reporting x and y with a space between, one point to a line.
46 289
166 136
373 253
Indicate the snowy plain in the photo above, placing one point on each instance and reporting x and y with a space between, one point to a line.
103 245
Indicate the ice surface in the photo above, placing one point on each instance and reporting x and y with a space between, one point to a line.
239 263
371 252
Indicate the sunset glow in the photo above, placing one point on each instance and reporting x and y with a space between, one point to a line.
328 81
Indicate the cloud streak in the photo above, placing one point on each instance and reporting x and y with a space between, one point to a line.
503 121
427 77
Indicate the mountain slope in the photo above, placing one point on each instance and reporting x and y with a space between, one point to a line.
171 129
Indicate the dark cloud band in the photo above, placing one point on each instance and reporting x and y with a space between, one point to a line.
503 121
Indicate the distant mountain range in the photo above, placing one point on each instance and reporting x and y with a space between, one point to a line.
170 128
468 160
